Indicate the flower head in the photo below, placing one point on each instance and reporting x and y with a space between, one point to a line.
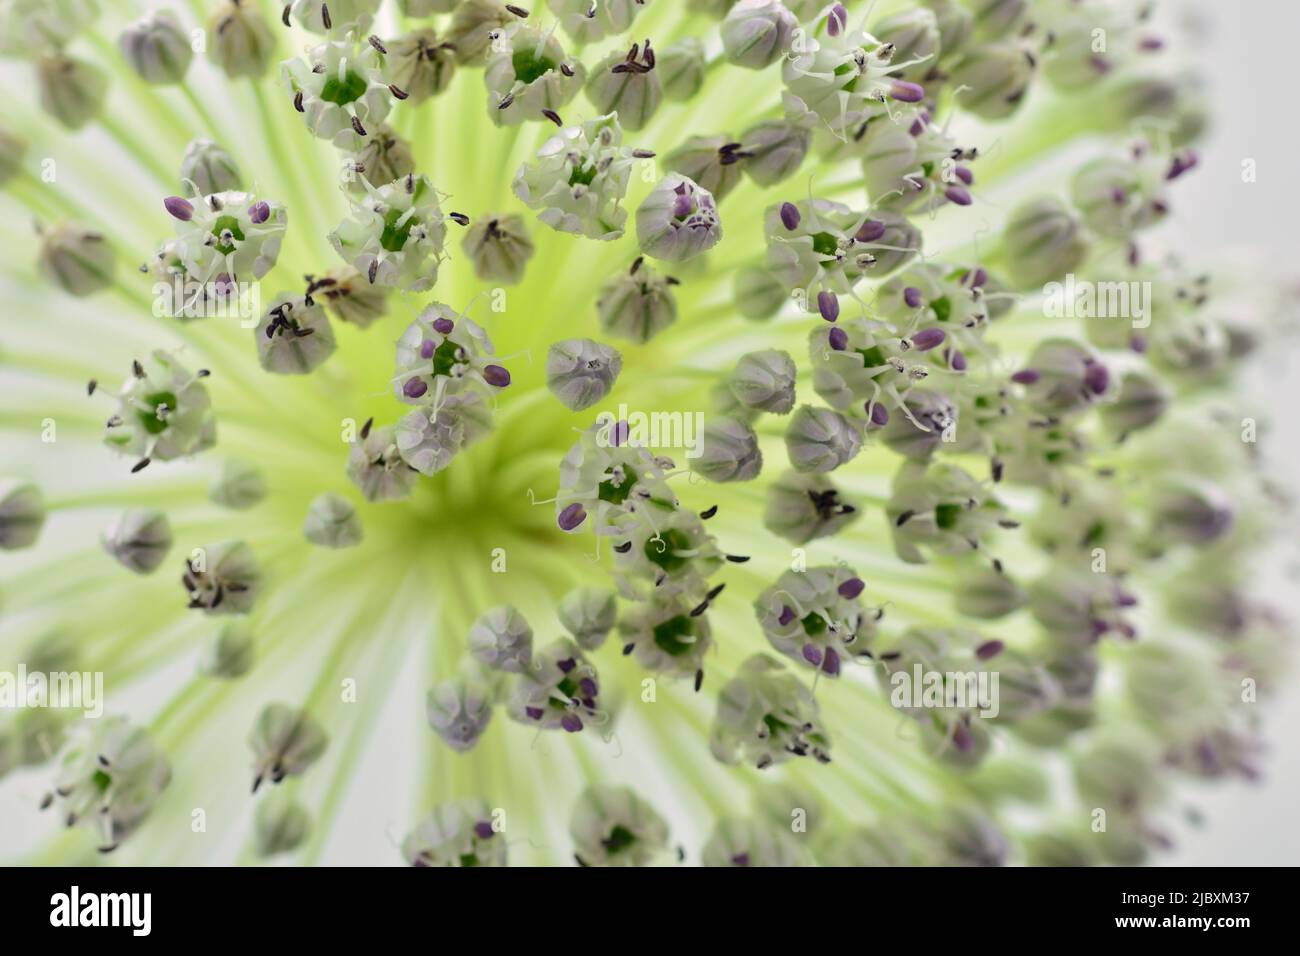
395 235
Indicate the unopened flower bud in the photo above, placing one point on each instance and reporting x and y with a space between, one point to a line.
76 259
1141 402
22 514
1044 240
209 167
775 149
1067 376
286 741
589 614
757 33
501 638
637 305
678 220
612 826
419 64
139 539
350 297
914 35
332 522
459 711
472 25
428 439
714 162
71 90
987 594
498 248
765 381
681 69
627 83
729 451
801 507
293 338
241 41
231 653
821 439
918 429
587 22
382 157
157 49
1190 511
222 578
280 825
580 372
375 466
992 79
758 293
239 485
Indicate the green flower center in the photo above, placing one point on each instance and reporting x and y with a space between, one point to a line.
668 635
149 417
530 67
825 244
663 550
223 224
617 494
344 91
396 230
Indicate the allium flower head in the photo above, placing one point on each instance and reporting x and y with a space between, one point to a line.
340 91
222 578
395 234
459 711
801 507
498 247
637 304
815 617
456 834
503 639
444 353
110 779
293 336
558 690
528 75
765 716
235 235
376 466
579 178
729 451
612 826
163 412
580 372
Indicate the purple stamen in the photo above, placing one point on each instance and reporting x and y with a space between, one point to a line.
259 212
180 208
837 20
483 830
912 296
927 339
443 326
828 305
496 376
839 339
879 415
414 388
956 360
989 649
961 738
790 216
571 517
906 92
965 175
427 348
786 617
831 662
959 195
571 723
1096 377
812 654
870 231
851 588
1026 376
